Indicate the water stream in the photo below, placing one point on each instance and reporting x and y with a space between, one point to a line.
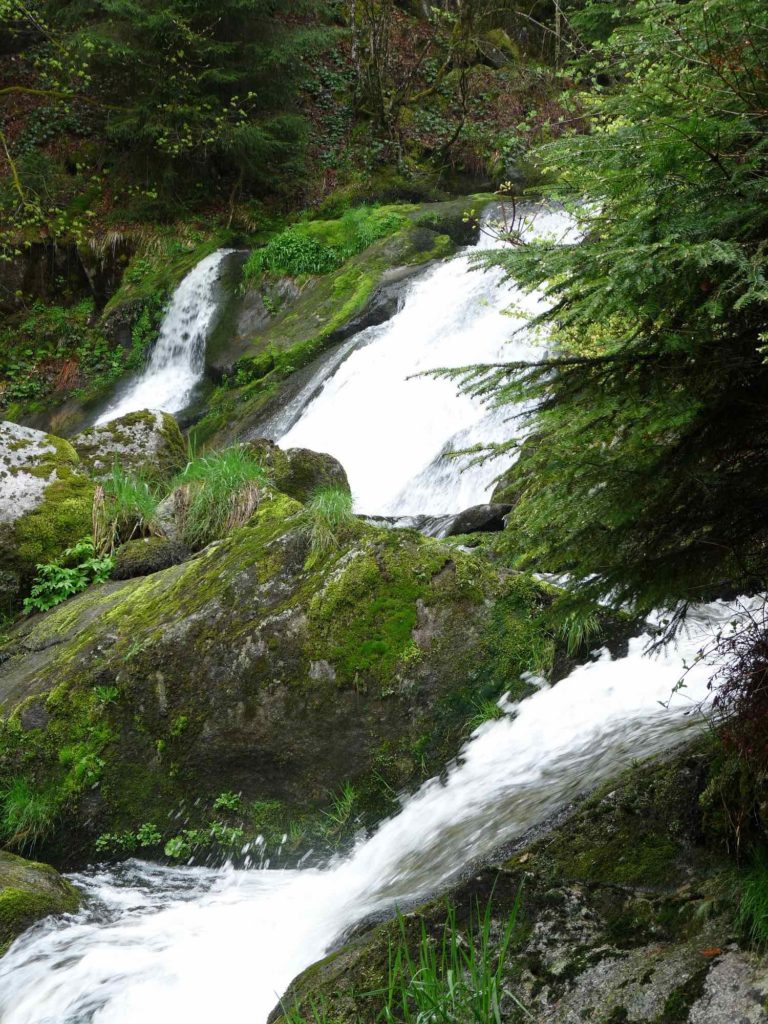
156 944
177 362
390 430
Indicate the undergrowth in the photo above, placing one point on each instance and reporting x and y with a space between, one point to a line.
753 903
76 569
319 247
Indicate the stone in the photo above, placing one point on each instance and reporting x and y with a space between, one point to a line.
45 505
299 472
29 892
147 442
147 555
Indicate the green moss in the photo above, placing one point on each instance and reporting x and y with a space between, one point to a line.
29 892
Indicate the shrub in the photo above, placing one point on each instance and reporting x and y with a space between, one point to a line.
76 569
220 491
328 517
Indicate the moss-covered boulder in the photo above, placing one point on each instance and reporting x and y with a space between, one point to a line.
45 505
29 892
299 472
254 669
147 555
148 442
627 915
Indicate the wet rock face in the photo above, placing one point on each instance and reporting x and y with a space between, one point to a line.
28 893
45 504
249 668
626 917
148 442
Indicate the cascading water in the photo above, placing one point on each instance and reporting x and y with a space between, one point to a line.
391 432
156 944
177 362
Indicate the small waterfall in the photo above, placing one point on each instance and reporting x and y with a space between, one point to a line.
177 361
158 944
390 430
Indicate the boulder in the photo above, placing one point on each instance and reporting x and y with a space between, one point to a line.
477 519
254 669
147 555
299 472
29 892
45 505
147 442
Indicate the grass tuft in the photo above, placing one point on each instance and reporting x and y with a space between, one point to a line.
219 491
329 518
28 815
124 508
753 904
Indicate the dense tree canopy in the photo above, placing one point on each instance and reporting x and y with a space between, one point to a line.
646 474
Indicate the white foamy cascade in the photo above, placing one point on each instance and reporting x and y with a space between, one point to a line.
390 431
156 944
177 361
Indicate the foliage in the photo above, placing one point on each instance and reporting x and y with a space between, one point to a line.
453 977
221 490
646 474
77 568
329 517
176 98
318 247
753 903
125 508
51 351
27 815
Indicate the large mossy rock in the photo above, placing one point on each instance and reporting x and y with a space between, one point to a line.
28 893
147 442
45 505
299 472
628 916
244 670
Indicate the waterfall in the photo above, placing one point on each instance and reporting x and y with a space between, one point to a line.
196 945
177 361
391 430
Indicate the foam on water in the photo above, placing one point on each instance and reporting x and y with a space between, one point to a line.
157 944
177 362
391 430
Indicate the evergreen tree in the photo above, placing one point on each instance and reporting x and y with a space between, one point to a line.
646 473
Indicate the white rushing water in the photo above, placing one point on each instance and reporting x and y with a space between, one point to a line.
177 362
155 945
390 431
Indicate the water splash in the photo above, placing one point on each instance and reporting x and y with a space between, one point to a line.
177 362
391 431
158 944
